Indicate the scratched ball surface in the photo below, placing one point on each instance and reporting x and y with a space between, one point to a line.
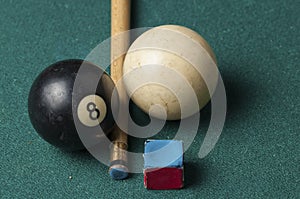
173 67
71 96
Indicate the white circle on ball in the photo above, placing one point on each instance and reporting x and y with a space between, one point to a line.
91 110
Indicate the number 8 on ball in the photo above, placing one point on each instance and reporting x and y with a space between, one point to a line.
91 110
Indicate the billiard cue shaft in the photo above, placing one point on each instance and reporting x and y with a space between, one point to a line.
120 22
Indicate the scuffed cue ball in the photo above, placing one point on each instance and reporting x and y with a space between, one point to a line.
170 48
71 97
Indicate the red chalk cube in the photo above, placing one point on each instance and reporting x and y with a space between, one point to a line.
163 178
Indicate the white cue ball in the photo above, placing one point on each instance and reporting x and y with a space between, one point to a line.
175 48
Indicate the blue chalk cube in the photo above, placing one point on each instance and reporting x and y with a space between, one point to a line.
163 153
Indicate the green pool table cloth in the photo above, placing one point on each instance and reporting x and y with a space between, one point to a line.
257 47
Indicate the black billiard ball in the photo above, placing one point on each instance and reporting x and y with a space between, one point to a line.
71 96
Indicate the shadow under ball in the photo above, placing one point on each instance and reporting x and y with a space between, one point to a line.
59 106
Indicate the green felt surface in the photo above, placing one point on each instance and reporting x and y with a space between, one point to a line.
257 45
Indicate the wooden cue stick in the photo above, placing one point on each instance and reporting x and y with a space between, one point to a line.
120 22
